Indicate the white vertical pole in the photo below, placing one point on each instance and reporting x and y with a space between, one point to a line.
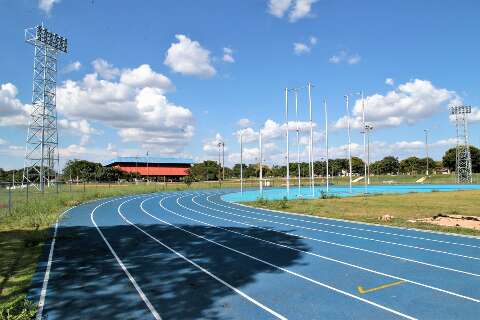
241 162
426 147
312 184
326 137
298 142
288 152
261 162
364 144
349 144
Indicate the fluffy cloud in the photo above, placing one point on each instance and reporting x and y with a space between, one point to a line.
210 147
228 55
74 66
300 48
389 81
79 127
104 69
189 58
409 103
297 9
144 76
344 56
47 5
12 111
244 122
135 104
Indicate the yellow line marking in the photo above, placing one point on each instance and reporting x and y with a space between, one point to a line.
383 286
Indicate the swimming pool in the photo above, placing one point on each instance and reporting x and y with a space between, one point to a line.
341 191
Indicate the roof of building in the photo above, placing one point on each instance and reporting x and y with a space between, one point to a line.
148 160
156 171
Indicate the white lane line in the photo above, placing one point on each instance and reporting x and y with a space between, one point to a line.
359 237
339 226
154 312
447 234
46 277
356 248
278 267
241 293
315 254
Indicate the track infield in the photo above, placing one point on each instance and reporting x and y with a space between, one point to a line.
191 255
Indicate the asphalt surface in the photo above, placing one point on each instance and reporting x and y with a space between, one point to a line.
191 255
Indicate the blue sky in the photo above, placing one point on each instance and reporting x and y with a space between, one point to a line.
175 77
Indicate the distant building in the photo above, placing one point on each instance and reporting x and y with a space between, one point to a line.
153 167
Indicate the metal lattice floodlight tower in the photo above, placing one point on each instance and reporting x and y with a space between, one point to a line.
463 169
41 150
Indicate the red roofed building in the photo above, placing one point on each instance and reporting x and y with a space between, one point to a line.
153 167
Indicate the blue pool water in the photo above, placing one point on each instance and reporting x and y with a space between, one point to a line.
340 191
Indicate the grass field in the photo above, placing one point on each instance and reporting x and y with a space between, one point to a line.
403 207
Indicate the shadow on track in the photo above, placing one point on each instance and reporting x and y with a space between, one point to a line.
87 283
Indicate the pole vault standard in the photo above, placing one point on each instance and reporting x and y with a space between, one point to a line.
326 138
287 156
310 154
241 161
349 144
260 161
298 142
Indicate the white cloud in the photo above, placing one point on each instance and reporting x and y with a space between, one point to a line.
104 69
228 55
47 5
278 8
135 104
78 127
300 48
244 122
297 9
389 81
12 111
3 141
74 66
189 58
144 76
409 103
248 135
301 9
344 56
210 147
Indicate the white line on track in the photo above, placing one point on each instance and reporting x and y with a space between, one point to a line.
241 293
353 247
359 237
338 226
43 293
154 312
317 255
277 267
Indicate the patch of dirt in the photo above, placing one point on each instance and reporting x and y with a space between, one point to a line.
453 220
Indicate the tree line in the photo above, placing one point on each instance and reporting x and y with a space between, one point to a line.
83 170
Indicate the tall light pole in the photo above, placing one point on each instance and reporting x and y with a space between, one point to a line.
426 146
367 129
298 140
349 144
364 142
260 161
287 156
312 184
148 169
241 161
326 137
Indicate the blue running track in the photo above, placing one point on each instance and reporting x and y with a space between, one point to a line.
192 255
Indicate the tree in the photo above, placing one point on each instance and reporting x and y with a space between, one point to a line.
410 165
81 169
236 169
449 159
205 171
358 165
389 165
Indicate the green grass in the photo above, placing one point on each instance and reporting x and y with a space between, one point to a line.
403 207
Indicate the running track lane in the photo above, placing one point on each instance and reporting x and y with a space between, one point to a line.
191 255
